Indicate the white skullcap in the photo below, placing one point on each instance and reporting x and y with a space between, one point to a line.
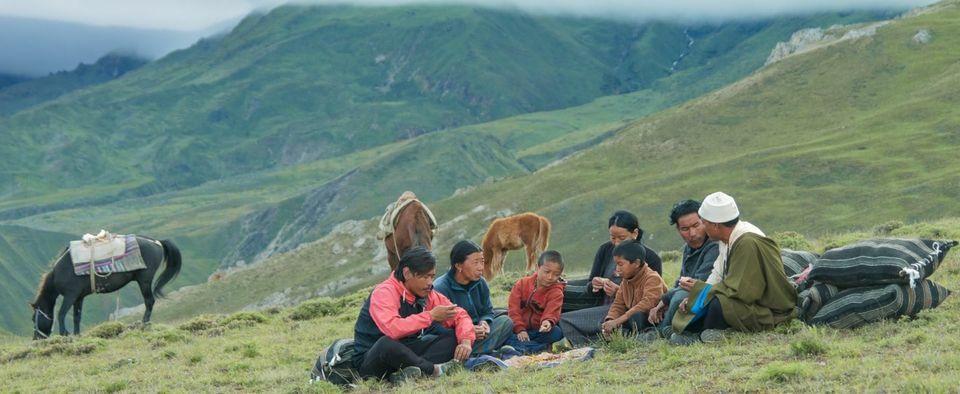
719 208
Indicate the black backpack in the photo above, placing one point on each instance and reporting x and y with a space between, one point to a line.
335 364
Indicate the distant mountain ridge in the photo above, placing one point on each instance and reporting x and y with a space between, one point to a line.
30 92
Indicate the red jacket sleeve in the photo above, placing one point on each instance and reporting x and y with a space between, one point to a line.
462 323
513 307
551 311
385 312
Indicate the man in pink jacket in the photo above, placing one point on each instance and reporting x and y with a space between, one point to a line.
407 327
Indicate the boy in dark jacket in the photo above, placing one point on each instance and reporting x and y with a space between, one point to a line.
535 304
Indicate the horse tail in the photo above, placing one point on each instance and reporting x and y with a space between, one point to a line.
544 239
172 255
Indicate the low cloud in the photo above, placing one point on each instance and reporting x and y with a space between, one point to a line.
192 15
677 10
41 36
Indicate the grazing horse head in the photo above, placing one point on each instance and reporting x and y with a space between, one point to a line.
42 323
42 306
413 228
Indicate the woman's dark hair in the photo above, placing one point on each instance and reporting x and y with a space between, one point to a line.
418 259
683 208
627 221
631 250
461 250
550 255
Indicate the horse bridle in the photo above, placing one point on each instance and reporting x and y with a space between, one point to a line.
36 322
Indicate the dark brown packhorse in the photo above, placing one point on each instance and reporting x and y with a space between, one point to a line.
62 280
413 228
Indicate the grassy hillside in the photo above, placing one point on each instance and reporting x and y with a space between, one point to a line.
273 351
853 134
245 218
822 142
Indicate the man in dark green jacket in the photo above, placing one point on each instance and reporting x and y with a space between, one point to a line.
753 294
464 286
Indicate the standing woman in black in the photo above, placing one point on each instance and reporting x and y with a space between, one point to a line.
586 302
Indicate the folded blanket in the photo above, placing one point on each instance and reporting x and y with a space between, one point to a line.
120 253
880 261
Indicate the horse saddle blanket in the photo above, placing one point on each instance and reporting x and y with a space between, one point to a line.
107 253
389 220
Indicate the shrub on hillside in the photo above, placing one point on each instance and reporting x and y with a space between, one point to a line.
808 346
107 330
505 281
318 308
792 240
782 372
245 318
68 346
115 387
165 337
927 230
887 228
200 323
670 256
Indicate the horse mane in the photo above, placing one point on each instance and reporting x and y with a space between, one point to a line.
41 288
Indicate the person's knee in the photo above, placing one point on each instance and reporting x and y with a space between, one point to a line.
678 297
554 335
637 322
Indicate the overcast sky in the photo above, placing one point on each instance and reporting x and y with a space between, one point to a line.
31 43
189 15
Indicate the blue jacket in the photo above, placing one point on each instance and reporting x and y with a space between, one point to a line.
473 297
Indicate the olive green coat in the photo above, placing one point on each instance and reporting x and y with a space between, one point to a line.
754 294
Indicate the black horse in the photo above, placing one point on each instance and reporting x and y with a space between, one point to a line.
61 280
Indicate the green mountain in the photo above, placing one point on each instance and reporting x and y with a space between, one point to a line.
287 87
35 91
156 125
850 134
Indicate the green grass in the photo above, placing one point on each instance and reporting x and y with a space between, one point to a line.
273 351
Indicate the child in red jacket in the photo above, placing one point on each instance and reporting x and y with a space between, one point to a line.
534 306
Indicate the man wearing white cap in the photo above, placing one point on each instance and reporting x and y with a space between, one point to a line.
748 290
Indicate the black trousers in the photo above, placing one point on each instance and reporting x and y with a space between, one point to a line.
712 320
389 355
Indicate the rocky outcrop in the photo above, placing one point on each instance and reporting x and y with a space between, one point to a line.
798 41
922 37
269 232
809 39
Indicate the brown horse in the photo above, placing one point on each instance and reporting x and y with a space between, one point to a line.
527 230
413 226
